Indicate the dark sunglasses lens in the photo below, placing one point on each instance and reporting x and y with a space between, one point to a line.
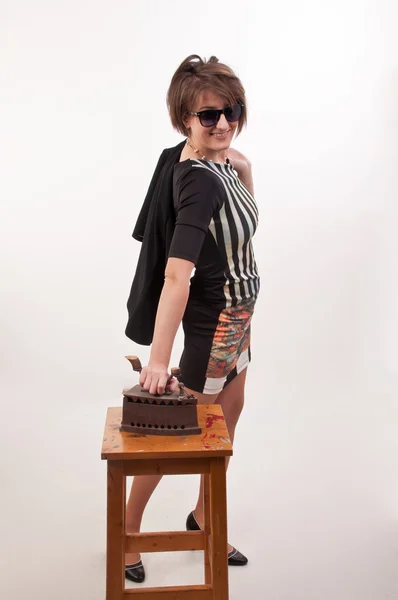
209 118
232 113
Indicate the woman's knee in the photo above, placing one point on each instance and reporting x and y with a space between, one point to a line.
232 407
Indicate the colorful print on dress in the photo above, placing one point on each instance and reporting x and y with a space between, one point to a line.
231 338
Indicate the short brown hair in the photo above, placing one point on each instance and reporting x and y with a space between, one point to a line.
195 75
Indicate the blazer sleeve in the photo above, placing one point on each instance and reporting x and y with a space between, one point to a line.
198 197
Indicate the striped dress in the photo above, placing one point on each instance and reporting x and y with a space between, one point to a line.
216 218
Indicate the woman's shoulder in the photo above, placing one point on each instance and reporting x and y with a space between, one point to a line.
197 168
197 175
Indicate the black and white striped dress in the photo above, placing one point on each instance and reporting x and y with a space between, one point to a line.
216 218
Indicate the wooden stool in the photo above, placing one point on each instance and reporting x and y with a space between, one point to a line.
133 454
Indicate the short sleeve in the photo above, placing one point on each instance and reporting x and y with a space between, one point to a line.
197 198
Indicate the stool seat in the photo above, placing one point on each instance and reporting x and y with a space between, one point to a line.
130 454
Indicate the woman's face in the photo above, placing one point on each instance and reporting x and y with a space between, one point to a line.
205 138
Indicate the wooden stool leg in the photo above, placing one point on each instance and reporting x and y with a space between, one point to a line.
206 497
218 520
116 511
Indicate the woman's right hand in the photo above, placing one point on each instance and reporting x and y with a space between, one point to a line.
156 379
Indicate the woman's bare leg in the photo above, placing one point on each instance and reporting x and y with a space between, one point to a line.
142 489
231 399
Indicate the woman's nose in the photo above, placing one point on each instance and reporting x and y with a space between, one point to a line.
222 123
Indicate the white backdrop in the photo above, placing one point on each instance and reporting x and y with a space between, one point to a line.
313 485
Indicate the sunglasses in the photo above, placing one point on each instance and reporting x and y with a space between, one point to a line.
209 118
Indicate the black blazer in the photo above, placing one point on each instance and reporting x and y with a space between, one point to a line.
154 228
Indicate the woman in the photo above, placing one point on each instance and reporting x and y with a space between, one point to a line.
216 216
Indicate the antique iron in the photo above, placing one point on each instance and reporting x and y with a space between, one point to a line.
171 413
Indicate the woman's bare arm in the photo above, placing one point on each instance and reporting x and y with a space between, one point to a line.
171 308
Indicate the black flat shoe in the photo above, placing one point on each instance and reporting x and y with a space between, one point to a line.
235 558
135 572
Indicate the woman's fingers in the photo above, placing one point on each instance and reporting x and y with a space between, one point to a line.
162 382
154 379
156 383
172 384
145 379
